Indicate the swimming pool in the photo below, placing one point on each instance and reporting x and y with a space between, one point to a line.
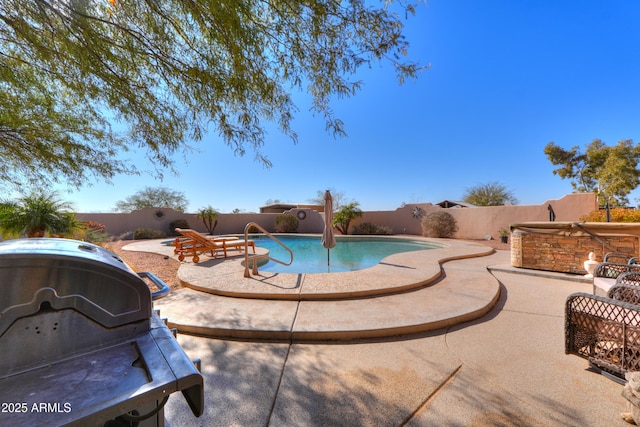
350 253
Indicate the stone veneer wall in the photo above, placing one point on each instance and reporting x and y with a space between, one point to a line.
561 253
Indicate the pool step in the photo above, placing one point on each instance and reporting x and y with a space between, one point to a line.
465 292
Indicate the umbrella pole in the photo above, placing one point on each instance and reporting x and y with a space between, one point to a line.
328 256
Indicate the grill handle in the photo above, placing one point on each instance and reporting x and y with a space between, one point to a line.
163 289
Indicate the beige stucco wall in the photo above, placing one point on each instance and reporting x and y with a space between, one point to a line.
478 222
123 224
473 223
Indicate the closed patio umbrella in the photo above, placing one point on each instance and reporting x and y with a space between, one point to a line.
328 239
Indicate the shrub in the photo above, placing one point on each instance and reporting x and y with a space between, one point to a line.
369 228
286 224
147 233
439 224
177 223
94 232
253 229
616 214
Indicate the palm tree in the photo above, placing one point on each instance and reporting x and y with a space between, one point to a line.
37 215
345 215
209 217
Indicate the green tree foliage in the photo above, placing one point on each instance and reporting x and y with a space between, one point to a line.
489 194
209 217
82 81
345 215
153 197
609 171
37 215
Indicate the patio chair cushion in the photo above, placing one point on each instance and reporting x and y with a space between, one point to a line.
604 284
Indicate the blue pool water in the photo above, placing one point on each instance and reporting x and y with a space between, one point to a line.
350 253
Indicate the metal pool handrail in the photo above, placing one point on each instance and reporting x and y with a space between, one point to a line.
256 257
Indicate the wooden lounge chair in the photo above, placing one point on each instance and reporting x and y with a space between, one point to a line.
194 243
605 330
182 243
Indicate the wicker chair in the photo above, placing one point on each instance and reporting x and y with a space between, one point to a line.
612 270
606 273
605 330
629 278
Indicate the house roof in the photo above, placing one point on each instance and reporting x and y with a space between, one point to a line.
282 207
454 204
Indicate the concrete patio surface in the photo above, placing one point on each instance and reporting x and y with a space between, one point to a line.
506 367
405 294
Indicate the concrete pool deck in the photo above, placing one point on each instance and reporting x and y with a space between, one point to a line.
406 293
506 367
397 273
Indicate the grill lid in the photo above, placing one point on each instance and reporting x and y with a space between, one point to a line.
62 273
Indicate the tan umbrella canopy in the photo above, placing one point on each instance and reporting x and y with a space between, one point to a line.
328 238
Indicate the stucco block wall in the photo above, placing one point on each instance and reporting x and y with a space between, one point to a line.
122 224
473 223
479 222
476 223
562 253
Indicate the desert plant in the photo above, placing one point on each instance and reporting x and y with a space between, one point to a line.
286 224
439 224
209 217
369 228
177 223
345 215
38 215
253 229
148 233
94 232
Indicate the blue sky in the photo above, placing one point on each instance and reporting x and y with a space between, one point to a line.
506 78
